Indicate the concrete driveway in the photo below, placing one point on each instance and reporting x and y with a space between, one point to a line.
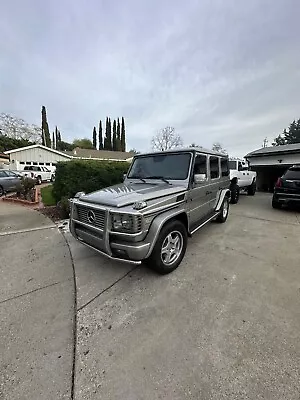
224 325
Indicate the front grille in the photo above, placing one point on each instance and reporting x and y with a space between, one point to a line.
91 216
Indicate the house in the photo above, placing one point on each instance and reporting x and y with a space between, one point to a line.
4 160
38 154
271 162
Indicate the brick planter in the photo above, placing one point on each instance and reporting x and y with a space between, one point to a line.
12 199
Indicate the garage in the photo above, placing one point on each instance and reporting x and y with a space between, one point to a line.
271 162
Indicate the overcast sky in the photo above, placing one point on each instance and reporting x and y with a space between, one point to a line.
216 70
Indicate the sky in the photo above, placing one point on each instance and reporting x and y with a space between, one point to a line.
215 70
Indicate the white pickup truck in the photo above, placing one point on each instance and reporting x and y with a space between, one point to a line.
40 174
241 179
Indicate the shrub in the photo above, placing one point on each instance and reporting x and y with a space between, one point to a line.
25 189
87 176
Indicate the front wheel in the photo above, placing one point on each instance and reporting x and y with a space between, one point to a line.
39 180
169 248
1 191
224 211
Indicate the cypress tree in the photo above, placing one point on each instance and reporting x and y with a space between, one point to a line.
106 134
123 139
100 136
118 147
94 138
46 139
53 140
109 141
57 141
114 147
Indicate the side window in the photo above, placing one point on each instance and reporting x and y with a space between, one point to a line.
214 167
2 174
224 167
200 166
240 166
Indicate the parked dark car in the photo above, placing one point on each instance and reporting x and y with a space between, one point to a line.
287 188
9 181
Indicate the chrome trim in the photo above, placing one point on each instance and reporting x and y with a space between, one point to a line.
164 208
204 223
109 256
88 225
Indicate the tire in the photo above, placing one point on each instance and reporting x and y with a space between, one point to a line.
1 191
158 259
224 211
52 178
38 180
251 189
276 204
235 193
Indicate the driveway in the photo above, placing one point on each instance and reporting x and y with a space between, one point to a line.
224 325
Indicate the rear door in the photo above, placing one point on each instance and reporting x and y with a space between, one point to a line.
214 180
199 201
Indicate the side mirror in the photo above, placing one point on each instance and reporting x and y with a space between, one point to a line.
200 178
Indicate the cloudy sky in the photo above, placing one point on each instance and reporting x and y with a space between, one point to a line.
216 70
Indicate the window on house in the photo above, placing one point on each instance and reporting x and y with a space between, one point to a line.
53 164
28 163
47 163
22 162
214 167
35 163
41 163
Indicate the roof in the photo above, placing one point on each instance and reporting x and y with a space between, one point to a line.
34 146
285 148
99 154
80 153
185 150
2 155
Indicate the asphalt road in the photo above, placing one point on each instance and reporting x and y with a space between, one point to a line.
224 325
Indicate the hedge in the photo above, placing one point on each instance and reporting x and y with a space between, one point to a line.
86 176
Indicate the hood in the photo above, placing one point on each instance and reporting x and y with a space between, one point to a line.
128 193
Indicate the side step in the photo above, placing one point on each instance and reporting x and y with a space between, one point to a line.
204 223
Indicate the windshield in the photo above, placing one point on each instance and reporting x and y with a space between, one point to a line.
293 174
167 166
232 164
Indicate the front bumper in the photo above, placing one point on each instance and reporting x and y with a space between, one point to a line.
107 243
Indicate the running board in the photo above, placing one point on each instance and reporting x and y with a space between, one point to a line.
204 223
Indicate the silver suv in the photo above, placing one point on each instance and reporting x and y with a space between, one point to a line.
165 197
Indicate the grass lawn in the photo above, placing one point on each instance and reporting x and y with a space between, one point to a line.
47 196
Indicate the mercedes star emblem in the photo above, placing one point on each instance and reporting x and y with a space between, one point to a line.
91 216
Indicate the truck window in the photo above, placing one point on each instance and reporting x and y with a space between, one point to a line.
224 166
200 166
232 164
214 167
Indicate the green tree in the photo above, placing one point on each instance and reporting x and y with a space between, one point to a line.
290 136
8 143
83 143
134 151
123 138
107 139
100 136
65 146
57 139
46 139
95 138
114 135
118 143
53 141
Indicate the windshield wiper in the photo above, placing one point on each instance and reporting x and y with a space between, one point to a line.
158 177
137 177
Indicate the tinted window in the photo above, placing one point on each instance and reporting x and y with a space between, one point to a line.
293 174
232 164
170 166
9 173
224 167
2 174
214 167
200 166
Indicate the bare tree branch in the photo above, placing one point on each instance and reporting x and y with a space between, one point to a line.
166 139
218 147
17 128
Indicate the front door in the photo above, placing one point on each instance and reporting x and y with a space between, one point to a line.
199 201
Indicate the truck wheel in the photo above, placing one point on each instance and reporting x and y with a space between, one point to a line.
276 204
52 178
169 248
251 189
1 191
235 193
223 211
38 180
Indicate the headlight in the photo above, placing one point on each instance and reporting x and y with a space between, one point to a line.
126 223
